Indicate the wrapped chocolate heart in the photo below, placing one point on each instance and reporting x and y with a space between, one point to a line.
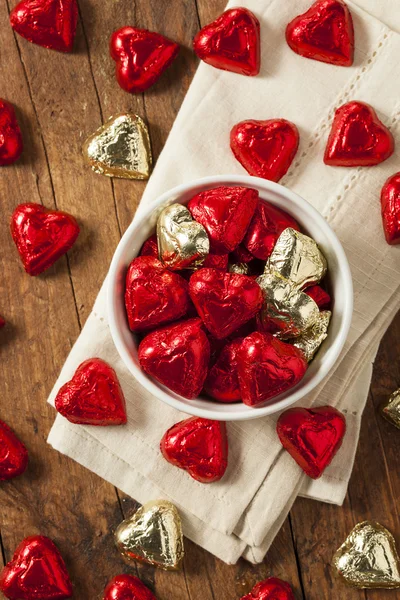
310 341
391 409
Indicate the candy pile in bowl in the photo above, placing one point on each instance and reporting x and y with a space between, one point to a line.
227 298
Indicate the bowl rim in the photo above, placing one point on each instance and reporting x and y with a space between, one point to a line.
161 393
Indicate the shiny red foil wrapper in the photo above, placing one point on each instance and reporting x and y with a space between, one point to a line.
265 228
216 261
390 206
36 572
42 236
357 138
222 381
225 213
321 298
267 367
271 589
142 57
127 587
177 356
150 247
13 454
224 301
312 436
93 396
11 144
325 33
265 148
231 42
241 254
199 446
153 294
48 23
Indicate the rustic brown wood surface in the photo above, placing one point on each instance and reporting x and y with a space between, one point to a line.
60 100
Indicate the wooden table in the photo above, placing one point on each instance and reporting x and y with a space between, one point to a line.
60 100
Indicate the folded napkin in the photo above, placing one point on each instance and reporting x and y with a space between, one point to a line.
240 515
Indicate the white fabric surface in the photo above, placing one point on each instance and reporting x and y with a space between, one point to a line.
241 514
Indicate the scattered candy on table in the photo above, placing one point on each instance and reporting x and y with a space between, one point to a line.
391 409
271 589
11 145
13 454
390 207
127 587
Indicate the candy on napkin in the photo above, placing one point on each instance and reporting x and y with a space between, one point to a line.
231 42
325 33
321 297
225 212
142 57
390 208
153 535
368 558
265 148
42 235
199 446
312 436
271 589
127 587
153 294
357 138
93 396
267 367
266 226
311 339
11 144
222 381
391 409
120 148
47 23
177 356
13 454
36 572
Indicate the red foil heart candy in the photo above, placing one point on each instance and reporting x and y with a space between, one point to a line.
177 356
312 436
357 138
127 587
153 294
224 301
390 207
265 148
231 42
47 23
222 381
42 236
225 213
325 33
321 298
150 247
11 144
142 57
36 572
93 396
267 367
199 446
13 454
271 589
216 261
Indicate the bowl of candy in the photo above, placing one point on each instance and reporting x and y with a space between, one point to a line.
229 298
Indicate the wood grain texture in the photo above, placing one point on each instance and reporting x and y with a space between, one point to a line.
60 100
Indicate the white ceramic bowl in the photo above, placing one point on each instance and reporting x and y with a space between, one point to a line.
340 284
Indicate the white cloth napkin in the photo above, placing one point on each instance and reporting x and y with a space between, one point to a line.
241 514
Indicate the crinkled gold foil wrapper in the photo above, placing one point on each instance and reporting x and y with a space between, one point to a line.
368 558
239 268
120 148
310 341
153 535
391 410
297 258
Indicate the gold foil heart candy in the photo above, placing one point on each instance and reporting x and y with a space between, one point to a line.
153 535
368 558
120 148
182 242
391 410
310 341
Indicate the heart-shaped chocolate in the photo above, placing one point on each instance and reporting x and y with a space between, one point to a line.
368 558
182 242
357 138
93 396
199 446
265 148
47 23
42 236
153 294
271 589
310 340
150 247
142 57
153 535
312 436
391 409
325 33
216 261
13 454
36 572
320 296
231 42
127 587
224 301
177 356
11 144
222 381
390 207
225 212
